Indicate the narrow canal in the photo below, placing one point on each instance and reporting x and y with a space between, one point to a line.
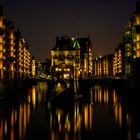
100 113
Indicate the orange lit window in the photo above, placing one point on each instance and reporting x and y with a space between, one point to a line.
138 20
138 45
1 47
12 68
0 22
1 55
11 36
138 37
11 53
0 64
1 39
138 53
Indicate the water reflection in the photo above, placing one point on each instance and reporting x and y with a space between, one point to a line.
98 113
14 121
15 113
70 123
104 95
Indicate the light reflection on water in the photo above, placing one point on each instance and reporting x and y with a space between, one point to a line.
100 114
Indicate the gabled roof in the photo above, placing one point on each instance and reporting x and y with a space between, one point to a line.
66 43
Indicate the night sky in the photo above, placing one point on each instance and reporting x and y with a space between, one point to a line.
41 21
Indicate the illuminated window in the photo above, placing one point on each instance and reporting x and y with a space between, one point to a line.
1 39
138 45
138 20
138 37
11 53
1 65
138 53
1 22
56 69
1 54
11 36
1 47
66 76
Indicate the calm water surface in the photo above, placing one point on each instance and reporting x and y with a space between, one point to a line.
102 113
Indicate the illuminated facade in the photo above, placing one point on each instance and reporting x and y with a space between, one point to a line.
119 61
33 67
128 49
65 59
86 57
71 58
132 42
14 52
23 57
103 66
2 28
8 55
97 66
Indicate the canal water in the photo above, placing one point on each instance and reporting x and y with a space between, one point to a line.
98 113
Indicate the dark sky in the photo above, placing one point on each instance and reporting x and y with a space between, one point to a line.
40 21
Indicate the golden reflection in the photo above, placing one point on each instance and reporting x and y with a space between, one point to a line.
24 118
20 121
118 113
12 118
114 97
66 136
12 137
101 95
67 123
128 119
52 135
15 116
34 96
107 97
28 114
60 127
14 123
86 116
5 127
51 120
77 118
59 117
90 116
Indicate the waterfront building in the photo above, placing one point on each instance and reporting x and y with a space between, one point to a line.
86 58
132 42
33 67
97 67
107 63
2 50
128 49
119 61
71 58
22 57
65 59
15 57
8 54
103 66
